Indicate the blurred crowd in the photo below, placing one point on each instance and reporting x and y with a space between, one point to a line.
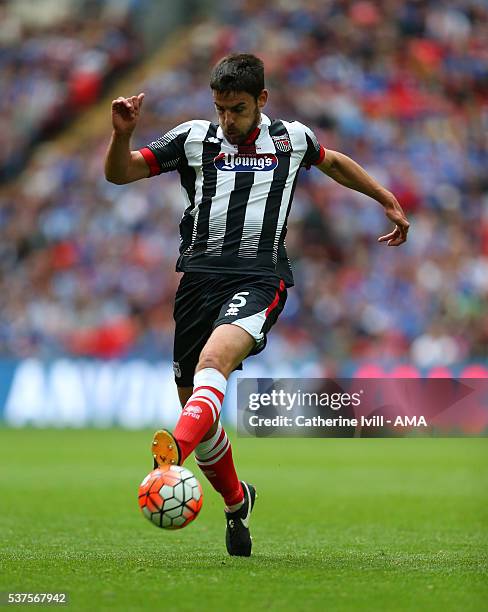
87 267
51 71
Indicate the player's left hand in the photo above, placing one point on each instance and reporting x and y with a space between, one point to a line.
398 236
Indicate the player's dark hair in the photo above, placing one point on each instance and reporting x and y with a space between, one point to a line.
238 72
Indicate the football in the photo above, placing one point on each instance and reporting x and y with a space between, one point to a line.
170 497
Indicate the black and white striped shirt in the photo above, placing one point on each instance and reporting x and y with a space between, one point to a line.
238 197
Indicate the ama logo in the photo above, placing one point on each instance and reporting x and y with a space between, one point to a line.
246 162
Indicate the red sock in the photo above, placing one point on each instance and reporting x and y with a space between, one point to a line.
214 457
200 411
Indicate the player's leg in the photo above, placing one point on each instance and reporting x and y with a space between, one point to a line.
246 316
220 470
226 348
253 311
184 394
164 447
199 427
198 303
240 329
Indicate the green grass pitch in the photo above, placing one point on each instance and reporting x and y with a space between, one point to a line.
396 524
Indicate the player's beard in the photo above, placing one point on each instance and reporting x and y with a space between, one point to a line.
240 138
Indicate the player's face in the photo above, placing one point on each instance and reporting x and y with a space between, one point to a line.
239 113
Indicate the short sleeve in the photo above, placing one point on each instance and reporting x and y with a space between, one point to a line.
315 152
166 153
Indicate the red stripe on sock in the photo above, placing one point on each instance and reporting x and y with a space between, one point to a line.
211 454
213 389
223 477
215 451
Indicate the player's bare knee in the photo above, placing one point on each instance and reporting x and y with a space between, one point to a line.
210 359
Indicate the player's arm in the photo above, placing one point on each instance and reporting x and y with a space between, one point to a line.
347 172
121 164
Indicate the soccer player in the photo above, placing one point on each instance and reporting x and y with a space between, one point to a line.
238 178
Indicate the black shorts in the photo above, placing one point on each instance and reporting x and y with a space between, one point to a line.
205 301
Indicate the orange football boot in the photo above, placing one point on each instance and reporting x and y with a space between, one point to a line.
164 449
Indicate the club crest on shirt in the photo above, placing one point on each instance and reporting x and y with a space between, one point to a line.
246 162
282 143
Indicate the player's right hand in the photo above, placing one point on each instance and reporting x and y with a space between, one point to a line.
125 113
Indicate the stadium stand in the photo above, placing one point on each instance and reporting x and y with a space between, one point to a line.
87 267
53 64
